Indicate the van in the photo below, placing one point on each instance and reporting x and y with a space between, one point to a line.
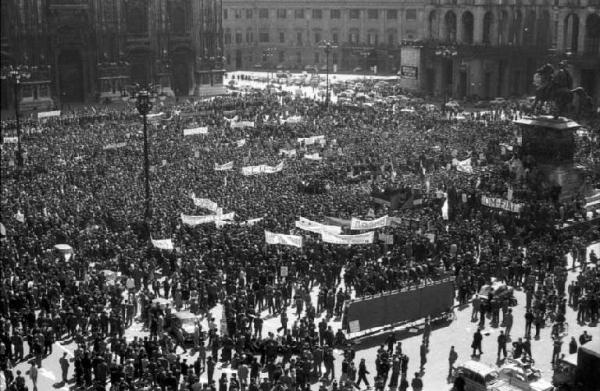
480 377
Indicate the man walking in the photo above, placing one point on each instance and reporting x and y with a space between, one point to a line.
508 322
64 367
362 373
452 357
501 344
476 345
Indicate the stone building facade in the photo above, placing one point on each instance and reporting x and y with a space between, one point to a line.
88 50
459 48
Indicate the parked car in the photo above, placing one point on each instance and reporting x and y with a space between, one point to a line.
186 321
525 377
498 290
478 376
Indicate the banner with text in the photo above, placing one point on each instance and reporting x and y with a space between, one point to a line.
163 244
312 156
313 226
287 152
287 240
312 140
47 114
361 225
262 169
224 167
500 203
197 220
205 203
365 238
193 131
114 146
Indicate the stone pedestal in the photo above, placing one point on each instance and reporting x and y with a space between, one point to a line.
550 144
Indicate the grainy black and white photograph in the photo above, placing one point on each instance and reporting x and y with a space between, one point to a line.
308 195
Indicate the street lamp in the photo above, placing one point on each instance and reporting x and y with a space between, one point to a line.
365 53
327 46
269 53
144 102
447 53
16 75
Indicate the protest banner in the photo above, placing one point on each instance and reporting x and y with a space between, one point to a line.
224 167
163 244
197 220
464 166
312 156
365 238
287 152
205 203
313 226
193 131
48 114
361 225
242 124
10 140
311 140
385 238
500 203
287 240
240 143
114 146
263 168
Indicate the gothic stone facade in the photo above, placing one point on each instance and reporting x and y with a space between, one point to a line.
88 50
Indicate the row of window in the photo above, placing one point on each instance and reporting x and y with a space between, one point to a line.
353 13
281 57
372 38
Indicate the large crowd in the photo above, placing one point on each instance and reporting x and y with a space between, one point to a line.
74 190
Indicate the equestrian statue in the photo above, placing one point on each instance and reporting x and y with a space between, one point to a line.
557 90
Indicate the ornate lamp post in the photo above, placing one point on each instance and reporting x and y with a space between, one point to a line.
327 46
144 101
16 75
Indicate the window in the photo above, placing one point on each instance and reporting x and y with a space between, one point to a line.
335 37
392 14
263 36
136 18
238 37
372 38
249 36
299 38
335 14
411 14
227 36
225 13
317 14
238 13
391 38
373 14
334 57
353 36
299 57
281 37
299 14
263 13
249 13
354 14
317 57
281 14
281 56
317 37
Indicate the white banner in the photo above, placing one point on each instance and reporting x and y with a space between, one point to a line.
361 225
193 131
163 244
385 238
312 156
287 152
242 124
46 114
224 167
365 238
500 203
241 143
312 140
287 240
11 140
114 146
263 168
197 220
205 203
251 222
313 226
293 120
465 166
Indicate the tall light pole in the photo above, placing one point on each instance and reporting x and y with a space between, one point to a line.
327 46
144 102
365 53
268 53
16 75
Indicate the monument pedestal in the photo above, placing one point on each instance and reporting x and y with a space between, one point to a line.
550 143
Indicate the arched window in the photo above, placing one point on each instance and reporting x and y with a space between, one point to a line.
178 22
529 29
571 32
137 17
503 28
544 30
467 27
592 35
488 19
433 25
450 26
516 28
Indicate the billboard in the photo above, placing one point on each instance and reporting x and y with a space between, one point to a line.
408 304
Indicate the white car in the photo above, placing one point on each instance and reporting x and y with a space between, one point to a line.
525 378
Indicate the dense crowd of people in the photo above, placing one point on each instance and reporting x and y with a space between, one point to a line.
82 185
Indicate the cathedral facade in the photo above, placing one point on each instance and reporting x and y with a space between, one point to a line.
90 50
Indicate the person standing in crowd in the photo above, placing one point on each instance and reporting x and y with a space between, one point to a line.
476 344
502 340
64 367
417 383
362 373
